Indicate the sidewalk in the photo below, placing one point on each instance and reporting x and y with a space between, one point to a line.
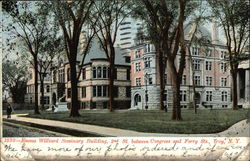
240 129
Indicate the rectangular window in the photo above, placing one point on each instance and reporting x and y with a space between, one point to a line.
45 100
196 64
105 91
115 91
104 72
68 74
83 74
61 76
208 81
115 73
94 91
138 81
195 51
183 80
223 82
224 106
69 92
99 72
83 92
224 96
127 59
197 80
128 92
149 79
137 54
223 54
147 62
209 52
47 88
209 96
183 95
128 74
148 48
208 65
99 91
223 67
137 67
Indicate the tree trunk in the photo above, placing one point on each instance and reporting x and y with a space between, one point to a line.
176 115
193 73
111 78
74 109
234 89
36 85
162 67
42 91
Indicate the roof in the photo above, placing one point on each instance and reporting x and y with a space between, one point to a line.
244 65
203 31
97 53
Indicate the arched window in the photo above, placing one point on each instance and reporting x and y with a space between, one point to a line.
104 72
94 72
99 72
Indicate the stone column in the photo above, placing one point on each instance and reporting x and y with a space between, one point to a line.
247 85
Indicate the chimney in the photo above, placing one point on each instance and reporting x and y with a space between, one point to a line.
215 33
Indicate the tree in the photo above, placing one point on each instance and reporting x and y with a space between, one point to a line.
164 22
196 37
50 48
29 24
14 79
234 18
107 17
71 16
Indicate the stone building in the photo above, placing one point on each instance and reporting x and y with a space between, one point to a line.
243 79
212 76
30 92
93 80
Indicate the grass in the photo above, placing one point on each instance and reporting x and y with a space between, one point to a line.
206 121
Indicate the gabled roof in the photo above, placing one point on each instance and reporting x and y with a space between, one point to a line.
96 52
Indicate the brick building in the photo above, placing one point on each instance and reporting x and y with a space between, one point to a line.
212 76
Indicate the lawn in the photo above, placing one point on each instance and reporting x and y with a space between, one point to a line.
206 121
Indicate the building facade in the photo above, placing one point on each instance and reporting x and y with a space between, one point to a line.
30 92
92 85
211 78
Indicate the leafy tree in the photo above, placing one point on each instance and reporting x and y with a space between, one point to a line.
196 37
71 16
164 20
107 17
14 79
28 24
233 17
50 50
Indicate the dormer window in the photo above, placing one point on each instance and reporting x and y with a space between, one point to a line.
195 51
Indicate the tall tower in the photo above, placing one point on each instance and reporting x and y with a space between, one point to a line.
126 34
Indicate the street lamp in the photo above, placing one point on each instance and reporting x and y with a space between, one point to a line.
146 92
